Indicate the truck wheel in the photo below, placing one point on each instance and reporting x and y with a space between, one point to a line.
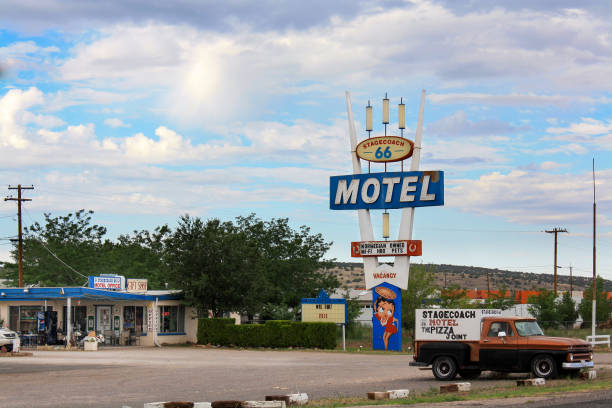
469 374
543 366
444 368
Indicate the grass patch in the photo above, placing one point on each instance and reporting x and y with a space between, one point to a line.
433 395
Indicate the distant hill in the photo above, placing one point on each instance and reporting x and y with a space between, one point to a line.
350 274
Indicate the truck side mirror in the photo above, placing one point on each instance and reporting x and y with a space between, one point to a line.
501 334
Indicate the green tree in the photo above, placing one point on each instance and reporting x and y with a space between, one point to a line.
140 255
567 309
353 308
454 297
419 294
63 250
290 263
543 307
603 307
214 264
501 299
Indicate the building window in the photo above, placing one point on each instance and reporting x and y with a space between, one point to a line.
133 319
23 318
172 319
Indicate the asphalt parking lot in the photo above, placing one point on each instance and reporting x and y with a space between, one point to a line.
117 377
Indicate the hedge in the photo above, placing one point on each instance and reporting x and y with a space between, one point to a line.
274 333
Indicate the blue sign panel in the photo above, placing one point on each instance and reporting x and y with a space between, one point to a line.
386 190
387 317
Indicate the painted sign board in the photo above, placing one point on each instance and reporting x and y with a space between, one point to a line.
386 248
385 149
110 282
137 285
152 318
387 317
386 190
450 324
324 309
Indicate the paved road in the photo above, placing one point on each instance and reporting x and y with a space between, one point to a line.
133 376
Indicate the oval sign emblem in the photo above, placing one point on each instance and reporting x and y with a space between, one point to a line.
385 149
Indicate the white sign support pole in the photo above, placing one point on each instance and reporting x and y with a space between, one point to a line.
365 222
68 318
343 336
402 263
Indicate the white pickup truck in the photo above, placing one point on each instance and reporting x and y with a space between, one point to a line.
7 338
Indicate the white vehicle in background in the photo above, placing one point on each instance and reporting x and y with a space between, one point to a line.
7 338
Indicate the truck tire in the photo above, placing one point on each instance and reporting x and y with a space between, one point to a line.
470 374
444 368
544 366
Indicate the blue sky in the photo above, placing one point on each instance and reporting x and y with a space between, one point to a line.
144 111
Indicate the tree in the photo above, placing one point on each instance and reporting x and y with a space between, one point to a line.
603 307
455 298
290 263
140 255
501 299
62 251
418 295
214 263
543 307
567 309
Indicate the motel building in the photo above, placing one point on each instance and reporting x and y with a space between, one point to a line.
123 311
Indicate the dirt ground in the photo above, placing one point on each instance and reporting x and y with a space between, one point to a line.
117 377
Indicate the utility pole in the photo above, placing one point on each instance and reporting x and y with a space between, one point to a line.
594 307
555 231
571 281
19 236
488 285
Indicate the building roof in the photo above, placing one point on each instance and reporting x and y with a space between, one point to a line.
8 294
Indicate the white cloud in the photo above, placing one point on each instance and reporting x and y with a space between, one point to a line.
14 116
532 197
527 99
588 127
115 123
206 77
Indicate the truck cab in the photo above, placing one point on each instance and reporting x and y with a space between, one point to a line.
508 344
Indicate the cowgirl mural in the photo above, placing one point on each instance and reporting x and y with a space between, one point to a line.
386 319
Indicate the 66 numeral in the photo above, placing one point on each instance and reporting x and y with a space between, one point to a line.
379 154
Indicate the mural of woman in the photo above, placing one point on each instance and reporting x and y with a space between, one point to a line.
384 308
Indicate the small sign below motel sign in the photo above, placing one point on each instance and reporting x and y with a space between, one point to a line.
386 248
324 309
107 282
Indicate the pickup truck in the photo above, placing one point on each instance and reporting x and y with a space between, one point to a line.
7 337
469 341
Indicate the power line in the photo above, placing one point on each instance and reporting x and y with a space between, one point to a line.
53 254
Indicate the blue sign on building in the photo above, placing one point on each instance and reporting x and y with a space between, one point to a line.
386 190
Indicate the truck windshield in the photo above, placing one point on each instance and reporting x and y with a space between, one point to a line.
528 328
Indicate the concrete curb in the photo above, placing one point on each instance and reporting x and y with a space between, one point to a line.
456 387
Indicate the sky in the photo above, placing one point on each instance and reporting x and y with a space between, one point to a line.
143 111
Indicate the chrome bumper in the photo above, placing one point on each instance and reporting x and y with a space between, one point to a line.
578 364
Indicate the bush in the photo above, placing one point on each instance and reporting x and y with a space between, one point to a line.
274 333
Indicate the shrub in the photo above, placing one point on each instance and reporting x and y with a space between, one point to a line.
274 333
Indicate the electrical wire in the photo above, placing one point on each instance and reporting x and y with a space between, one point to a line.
53 254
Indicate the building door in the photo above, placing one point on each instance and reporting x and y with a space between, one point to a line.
103 319
499 352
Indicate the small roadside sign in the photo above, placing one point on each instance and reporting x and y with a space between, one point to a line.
386 248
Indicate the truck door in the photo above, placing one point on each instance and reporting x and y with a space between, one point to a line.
499 352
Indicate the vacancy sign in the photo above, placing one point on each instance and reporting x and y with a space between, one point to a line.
387 248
